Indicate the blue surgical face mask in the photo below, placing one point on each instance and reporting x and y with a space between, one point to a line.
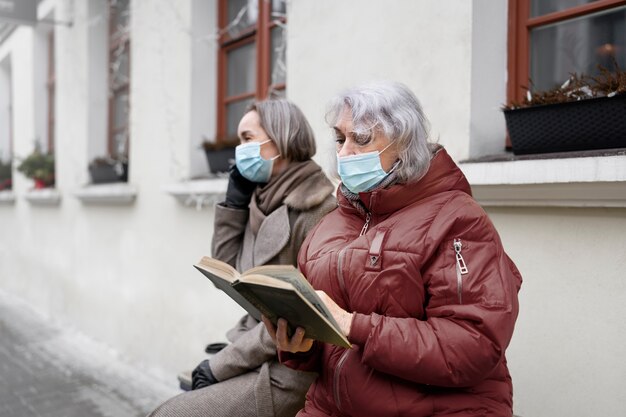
361 172
250 163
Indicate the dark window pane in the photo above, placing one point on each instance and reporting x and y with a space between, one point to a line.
241 73
541 7
277 58
120 66
120 143
241 15
234 113
577 45
120 110
279 8
120 13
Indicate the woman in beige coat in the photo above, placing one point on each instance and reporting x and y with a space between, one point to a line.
276 195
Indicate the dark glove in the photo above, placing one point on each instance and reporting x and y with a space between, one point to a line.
202 376
239 191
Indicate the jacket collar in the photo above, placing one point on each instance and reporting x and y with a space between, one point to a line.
442 175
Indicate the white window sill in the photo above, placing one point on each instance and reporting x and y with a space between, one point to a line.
43 197
198 193
7 197
597 181
114 193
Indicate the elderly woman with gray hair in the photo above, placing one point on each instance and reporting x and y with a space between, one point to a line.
413 271
276 194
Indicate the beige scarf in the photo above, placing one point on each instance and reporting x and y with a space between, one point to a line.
270 196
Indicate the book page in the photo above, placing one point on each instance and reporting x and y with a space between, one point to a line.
219 268
221 275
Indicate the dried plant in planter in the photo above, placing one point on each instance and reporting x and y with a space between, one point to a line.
108 169
220 143
577 87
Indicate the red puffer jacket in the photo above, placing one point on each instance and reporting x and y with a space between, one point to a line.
435 302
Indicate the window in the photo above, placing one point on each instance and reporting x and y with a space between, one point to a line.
550 39
119 78
251 62
6 124
50 85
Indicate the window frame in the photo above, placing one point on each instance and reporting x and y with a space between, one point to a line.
51 89
260 34
116 42
520 23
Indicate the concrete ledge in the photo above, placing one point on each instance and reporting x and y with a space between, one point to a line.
198 193
589 194
571 182
106 194
43 197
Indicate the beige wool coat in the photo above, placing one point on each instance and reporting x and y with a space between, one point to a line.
252 381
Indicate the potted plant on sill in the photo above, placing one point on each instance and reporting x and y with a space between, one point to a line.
39 167
220 153
108 169
5 175
584 113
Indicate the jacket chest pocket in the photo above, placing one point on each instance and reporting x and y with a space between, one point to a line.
374 260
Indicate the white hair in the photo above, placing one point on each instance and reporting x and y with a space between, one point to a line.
391 109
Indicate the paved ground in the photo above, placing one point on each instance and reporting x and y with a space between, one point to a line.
49 371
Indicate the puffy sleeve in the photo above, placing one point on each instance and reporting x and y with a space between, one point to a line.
469 318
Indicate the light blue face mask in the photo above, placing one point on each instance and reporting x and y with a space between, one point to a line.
361 172
250 163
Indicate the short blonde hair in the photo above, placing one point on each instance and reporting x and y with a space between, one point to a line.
287 127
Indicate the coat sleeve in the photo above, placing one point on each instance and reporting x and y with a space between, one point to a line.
461 341
229 227
248 351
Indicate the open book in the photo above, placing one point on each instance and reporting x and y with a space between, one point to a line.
276 291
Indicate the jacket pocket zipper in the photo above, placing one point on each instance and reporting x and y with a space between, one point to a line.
461 268
342 283
340 364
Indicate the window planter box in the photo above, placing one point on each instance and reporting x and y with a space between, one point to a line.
596 123
103 174
220 160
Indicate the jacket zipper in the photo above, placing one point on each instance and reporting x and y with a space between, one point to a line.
338 368
368 217
344 355
461 268
342 283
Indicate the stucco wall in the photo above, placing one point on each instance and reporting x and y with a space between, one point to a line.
566 357
426 45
